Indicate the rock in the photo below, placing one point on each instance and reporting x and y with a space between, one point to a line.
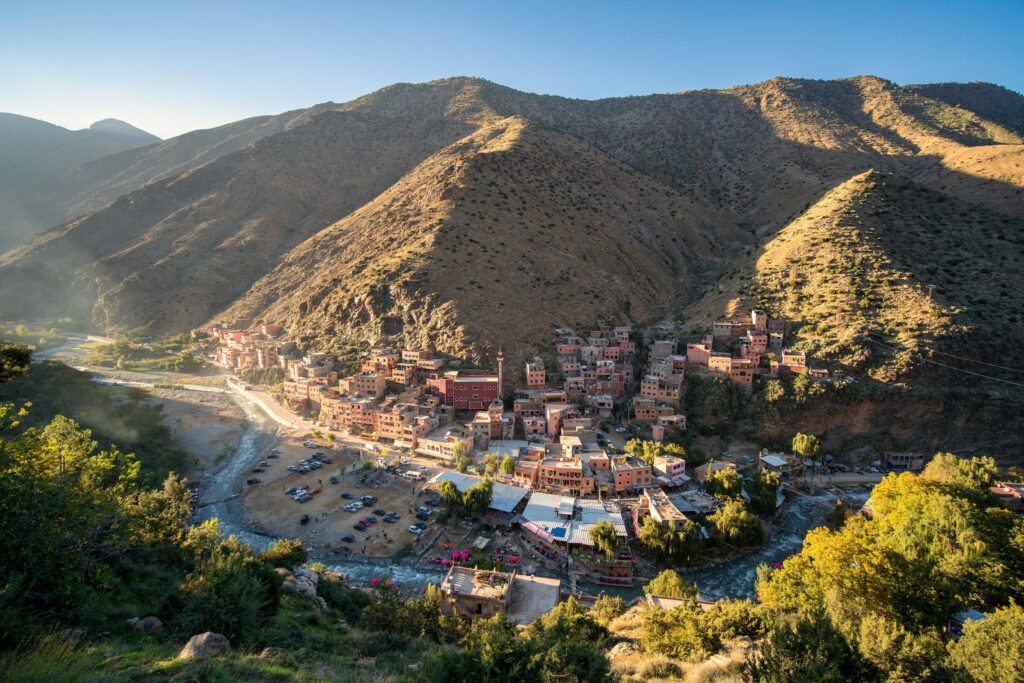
621 650
133 621
271 653
304 583
207 644
368 662
148 624
78 633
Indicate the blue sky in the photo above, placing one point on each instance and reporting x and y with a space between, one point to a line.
170 67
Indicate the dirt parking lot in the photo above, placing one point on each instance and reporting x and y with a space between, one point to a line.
278 514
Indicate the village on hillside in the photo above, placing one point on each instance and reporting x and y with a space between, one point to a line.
582 459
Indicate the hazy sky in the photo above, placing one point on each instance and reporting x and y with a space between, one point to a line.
175 66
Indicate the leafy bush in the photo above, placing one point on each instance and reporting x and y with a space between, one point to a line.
231 591
286 553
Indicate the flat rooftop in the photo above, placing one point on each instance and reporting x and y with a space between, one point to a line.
477 583
531 597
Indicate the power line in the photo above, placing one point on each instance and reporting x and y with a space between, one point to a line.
951 367
980 362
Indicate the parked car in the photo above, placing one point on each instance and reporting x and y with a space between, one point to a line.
416 529
304 469
421 468
421 516
347 495
371 519
380 512
424 511
348 539
264 463
290 491
304 519
252 481
327 461
620 430
333 479
368 499
359 526
293 468
258 469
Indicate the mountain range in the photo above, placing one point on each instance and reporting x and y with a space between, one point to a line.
467 215
35 155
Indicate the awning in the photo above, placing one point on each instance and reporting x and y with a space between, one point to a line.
537 531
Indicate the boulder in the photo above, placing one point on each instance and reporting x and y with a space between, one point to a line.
271 653
148 624
621 650
303 581
207 644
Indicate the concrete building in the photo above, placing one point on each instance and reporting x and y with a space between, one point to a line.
481 594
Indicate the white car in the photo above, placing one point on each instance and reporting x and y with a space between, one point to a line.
416 529
620 430
421 468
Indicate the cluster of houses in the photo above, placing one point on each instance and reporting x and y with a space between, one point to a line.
742 343
566 476
239 350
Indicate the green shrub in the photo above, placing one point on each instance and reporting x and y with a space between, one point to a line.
232 592
286 553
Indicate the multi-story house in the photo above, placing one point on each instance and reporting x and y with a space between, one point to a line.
535 375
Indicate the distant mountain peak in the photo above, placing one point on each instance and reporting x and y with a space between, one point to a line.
119 127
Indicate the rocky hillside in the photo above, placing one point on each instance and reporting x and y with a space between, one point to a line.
882 259
455 211
34 153
493 240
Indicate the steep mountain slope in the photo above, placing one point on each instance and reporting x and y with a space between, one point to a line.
34 152
168 255
882 258
222 209
492 241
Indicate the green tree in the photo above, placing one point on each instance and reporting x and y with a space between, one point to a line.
508 465
807 446
808 651
607 608
648 451
763 490
231 591
450 497
670 584
680 546
460 459
14 360
477 498
992 650
490 463
724 484
287 553
605 539
736 526
679 632
837 517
